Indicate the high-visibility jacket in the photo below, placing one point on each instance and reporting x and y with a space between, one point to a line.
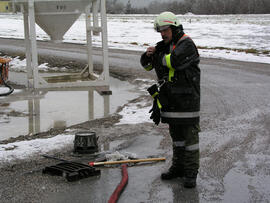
177 64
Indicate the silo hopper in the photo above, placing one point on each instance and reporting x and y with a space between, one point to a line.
54 17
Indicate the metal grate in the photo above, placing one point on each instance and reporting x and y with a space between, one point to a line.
72 171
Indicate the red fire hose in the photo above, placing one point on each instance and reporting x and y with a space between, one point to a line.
121 186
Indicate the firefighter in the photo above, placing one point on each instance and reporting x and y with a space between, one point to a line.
175 60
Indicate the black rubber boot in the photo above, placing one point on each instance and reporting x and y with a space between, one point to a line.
177 168
190 180
172 173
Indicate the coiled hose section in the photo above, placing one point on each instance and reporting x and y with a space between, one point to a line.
11 89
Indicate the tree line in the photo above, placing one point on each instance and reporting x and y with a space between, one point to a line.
206 7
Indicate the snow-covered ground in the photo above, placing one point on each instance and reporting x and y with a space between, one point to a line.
136 32
218 36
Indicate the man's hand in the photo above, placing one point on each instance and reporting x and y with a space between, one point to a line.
150 51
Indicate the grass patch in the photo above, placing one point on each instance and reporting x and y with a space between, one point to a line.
134 43
248 51
251 51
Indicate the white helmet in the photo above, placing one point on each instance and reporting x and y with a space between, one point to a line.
165 20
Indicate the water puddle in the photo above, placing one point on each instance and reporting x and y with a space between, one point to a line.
143 177
25 113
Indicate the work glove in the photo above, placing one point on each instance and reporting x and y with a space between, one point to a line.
145 60
153 90
155 116
155 112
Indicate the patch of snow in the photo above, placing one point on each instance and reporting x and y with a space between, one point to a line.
20 65
26 149
233 55
132 114
6 89
3 90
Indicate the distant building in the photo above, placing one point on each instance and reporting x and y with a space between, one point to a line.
5 6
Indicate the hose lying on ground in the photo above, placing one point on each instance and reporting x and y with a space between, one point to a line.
121 186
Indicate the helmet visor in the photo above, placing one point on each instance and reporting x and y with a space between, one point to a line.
161 28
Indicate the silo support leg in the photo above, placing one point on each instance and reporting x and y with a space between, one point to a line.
34 58
29 67
89 39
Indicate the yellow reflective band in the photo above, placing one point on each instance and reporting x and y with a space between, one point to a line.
155 94
148 68
171 69
159 104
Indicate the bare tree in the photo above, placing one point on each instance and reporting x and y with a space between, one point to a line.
112 6
231 6
195 6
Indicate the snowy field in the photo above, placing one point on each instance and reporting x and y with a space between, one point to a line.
217 36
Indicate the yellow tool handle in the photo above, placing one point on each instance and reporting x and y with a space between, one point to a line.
126 161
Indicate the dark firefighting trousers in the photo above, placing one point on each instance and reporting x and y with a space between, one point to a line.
186 147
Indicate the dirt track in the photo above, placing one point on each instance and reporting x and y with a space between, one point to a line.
234 143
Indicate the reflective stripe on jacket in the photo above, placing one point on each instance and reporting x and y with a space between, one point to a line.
178 65
183 86
166 60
